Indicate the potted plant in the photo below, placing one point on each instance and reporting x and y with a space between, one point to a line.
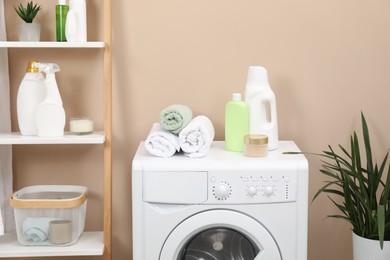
28 31
364 188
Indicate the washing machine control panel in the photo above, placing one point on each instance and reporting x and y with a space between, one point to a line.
252 187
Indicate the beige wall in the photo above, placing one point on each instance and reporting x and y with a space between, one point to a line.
327 61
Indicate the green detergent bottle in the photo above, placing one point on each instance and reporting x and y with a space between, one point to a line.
236 123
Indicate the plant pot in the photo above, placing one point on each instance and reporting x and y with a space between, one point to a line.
29 32
367 249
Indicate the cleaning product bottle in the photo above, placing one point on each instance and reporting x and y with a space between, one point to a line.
76 21
50 115
236 123
61 13
262 106
30 94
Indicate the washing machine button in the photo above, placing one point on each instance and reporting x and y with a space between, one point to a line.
251 190
269 190
213 179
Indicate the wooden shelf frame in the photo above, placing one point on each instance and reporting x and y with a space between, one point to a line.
107 65
8 241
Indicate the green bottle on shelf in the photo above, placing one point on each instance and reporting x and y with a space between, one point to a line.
236 123
61 12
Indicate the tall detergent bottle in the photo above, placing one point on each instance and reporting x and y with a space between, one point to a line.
262 106
31 93
50 114
236 123
76 21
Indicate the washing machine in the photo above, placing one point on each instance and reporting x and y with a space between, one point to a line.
224 206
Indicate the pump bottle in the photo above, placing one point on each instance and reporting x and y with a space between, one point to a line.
236 123
50 114
30 94
262 106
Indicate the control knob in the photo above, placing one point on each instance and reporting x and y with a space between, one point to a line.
222 191
269 190
251 190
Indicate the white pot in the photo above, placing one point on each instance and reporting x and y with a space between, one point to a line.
368 249
29 32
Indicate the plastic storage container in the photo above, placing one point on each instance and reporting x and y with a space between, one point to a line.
49 214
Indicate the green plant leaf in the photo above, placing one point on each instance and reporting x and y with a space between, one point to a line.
381 224
360 183
29 12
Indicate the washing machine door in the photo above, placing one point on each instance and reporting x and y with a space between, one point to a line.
220 235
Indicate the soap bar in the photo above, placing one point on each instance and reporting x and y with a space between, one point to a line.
81 125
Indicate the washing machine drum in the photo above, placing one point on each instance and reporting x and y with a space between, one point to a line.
219 243
220 234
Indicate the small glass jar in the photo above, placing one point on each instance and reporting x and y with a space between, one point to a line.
255 145
81 125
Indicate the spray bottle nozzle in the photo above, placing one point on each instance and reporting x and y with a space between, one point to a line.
49 68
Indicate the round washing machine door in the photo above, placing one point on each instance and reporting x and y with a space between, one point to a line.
220 235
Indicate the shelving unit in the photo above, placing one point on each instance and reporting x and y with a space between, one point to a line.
52 44
68 138
90 243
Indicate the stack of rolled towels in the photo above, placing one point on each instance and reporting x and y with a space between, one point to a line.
179 131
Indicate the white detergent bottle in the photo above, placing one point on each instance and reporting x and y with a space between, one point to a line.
76 21
50 114
31 93
262 106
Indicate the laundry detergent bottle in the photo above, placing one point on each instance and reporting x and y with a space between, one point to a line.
76 21
31 93
236 123
50 114
262 106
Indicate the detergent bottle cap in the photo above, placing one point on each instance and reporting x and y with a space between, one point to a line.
236 97
257 76
32 67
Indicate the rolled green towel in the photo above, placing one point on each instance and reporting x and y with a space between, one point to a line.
175 117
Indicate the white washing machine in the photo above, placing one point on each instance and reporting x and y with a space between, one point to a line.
221 207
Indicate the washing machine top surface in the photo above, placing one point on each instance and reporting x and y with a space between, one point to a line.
219 158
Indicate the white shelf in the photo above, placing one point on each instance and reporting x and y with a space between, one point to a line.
16 44
68 138
89 243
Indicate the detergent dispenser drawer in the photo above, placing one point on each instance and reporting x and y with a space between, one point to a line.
182 187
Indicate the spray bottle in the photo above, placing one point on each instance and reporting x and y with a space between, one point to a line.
30 94
262 106
50 114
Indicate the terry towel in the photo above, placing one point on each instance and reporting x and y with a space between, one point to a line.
196 138
36 229
161 142
175 117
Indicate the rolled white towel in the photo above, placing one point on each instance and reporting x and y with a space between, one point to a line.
161 143
36 229
196 138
